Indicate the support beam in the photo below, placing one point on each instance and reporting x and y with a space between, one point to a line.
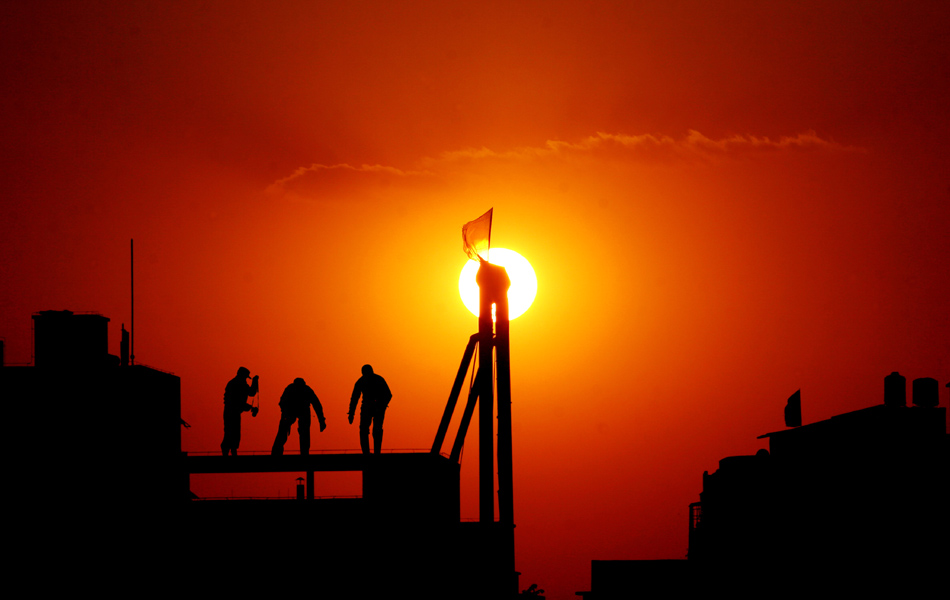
456 455
454 395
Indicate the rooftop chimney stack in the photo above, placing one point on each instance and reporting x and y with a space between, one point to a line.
63 339
926 392
895 390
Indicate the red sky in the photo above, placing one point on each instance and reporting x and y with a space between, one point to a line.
724 202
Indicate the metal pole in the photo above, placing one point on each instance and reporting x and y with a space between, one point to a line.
486 399
132 287
506 518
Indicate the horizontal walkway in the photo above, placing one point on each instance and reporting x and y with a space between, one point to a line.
265 463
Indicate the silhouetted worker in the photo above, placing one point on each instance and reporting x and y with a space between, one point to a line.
376 397
295 405
235 403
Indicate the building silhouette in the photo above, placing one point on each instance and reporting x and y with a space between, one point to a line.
852 504
91 418
859 500
94 469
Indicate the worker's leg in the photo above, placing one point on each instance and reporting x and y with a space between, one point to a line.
303 430
232 433
378 430
283 430
237 434
229 427
366 418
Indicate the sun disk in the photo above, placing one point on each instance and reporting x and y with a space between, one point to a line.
524 283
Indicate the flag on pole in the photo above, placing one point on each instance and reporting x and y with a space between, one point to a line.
476 237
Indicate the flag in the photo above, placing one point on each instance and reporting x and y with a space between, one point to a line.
476 237
793 410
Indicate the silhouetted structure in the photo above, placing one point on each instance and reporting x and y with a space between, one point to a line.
376 397
793 410
852 504
236 393
295 405
404 533
77 402
96 469
859 499
496 562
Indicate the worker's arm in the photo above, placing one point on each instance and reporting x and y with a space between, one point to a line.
251 391
354 398
318 408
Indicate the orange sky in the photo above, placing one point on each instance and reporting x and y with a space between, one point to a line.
724 202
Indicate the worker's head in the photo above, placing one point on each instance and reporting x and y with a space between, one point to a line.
299 381
367 370
244 372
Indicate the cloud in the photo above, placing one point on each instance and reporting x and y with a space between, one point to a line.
344 181
336 181
646 147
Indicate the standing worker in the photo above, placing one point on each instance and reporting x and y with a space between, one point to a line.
295 405
235 403
376 397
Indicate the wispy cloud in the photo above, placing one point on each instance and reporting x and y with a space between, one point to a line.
328 180
693 146
320 181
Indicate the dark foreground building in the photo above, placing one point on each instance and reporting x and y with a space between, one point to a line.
403 536
93 462
857 503
86 426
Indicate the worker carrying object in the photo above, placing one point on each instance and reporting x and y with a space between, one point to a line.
295 405
235 403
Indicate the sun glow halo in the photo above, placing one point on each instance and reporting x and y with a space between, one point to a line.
524 283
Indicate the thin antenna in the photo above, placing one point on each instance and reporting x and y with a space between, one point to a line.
132 286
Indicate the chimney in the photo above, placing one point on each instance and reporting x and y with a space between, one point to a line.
62 339
926 392
895 390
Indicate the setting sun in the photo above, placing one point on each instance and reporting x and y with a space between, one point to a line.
524 283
